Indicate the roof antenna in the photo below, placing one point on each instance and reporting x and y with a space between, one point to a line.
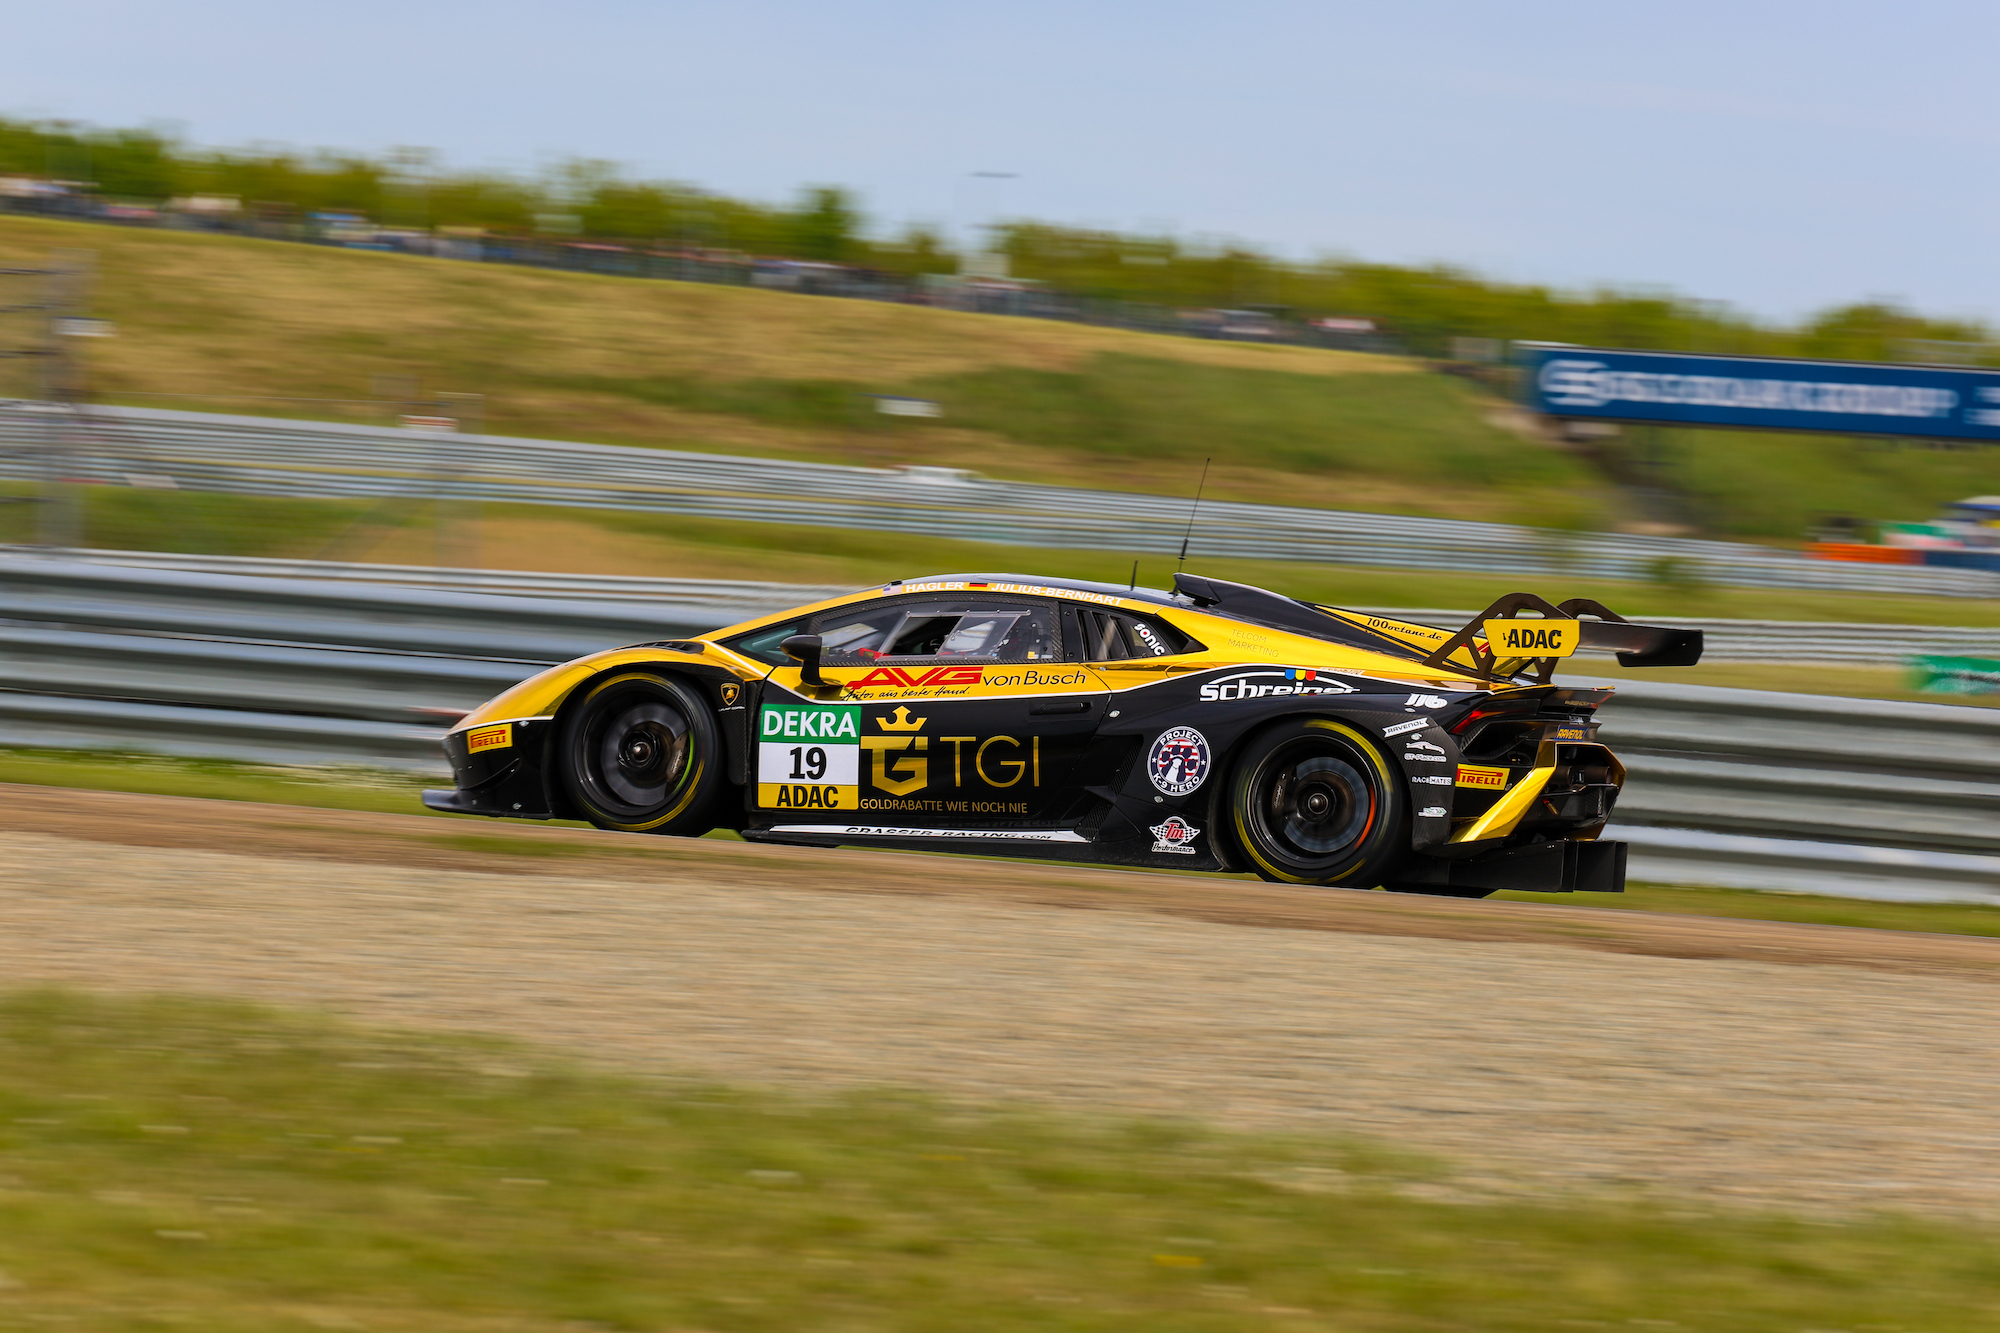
1135 577
1191 513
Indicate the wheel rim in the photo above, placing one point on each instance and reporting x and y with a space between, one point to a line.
635 753
1312 804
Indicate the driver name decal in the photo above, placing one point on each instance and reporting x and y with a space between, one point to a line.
809 757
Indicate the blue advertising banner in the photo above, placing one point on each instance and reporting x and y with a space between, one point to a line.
1762 393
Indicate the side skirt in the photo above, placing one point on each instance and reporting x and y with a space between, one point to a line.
851 832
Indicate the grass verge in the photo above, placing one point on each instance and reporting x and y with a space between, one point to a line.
1804 908
232 324
374 790
200 1164
1854 682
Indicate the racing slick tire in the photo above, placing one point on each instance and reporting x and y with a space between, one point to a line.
1314 801
639 752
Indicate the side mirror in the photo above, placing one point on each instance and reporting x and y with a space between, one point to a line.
804 649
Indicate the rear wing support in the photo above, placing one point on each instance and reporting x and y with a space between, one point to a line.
1636 645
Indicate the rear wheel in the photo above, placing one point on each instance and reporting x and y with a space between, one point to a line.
1313 801
640 753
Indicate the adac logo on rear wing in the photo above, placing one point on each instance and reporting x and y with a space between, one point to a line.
1500 642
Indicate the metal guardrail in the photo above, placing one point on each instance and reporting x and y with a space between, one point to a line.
1870 797
1803 641
267 456
1727 640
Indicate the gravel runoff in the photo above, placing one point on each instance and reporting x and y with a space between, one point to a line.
1826 1087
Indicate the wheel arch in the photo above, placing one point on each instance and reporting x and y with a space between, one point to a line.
704 676
1227 842
1230 843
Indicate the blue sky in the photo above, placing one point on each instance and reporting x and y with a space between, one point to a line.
1780 156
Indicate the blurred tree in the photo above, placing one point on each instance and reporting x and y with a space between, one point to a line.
1422 308
825 225
920 249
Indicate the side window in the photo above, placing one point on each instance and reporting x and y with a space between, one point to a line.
984 632
763 644
1113 636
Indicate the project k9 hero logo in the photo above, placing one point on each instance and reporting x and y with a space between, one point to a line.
1178 761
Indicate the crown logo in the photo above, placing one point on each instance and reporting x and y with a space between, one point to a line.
903 722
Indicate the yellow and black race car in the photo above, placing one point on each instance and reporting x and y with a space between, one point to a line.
1216 727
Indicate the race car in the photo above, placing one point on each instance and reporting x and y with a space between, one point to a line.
1214 727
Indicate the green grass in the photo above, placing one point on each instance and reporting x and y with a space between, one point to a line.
1854 682
1805 908
1770 484
1120 407
172 1162
218 780
1124 406
232 324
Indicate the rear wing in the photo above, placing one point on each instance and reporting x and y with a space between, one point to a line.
1500 642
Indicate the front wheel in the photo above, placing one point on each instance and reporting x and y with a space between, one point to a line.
1313 801
640 753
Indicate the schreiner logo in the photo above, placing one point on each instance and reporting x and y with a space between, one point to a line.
489 738
1178 761
1263 684
1176 836
1473 775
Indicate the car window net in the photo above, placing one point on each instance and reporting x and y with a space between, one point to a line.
982 633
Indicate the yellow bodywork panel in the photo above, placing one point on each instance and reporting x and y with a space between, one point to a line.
1504 815
1224 642
541 694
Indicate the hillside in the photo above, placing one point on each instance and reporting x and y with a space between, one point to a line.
227 323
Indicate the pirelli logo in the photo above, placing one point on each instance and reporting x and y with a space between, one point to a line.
489 738
1491 779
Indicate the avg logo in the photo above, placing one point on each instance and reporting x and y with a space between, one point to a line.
899 676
